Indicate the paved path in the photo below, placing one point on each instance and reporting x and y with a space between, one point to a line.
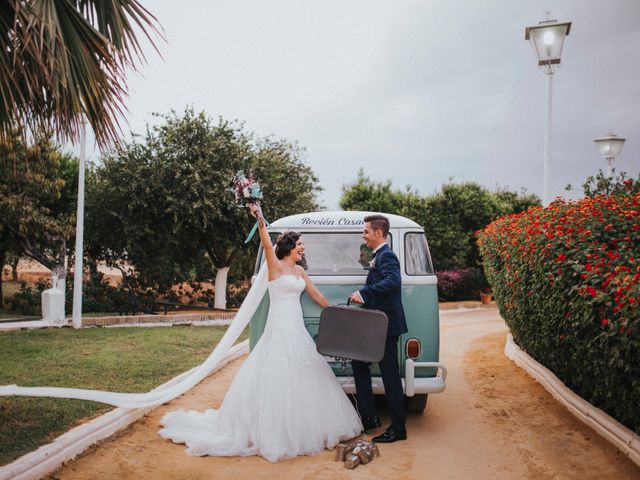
492 422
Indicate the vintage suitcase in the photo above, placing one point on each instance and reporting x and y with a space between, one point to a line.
351 332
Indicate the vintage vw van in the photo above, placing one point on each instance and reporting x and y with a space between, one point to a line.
337 261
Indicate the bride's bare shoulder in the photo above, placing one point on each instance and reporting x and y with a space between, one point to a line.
301 272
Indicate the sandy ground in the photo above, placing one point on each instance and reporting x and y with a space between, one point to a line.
492 422
31 271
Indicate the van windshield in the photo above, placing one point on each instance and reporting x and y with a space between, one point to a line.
334 253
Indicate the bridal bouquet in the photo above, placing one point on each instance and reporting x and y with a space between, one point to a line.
247 190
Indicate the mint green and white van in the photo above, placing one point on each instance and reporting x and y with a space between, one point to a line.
337 261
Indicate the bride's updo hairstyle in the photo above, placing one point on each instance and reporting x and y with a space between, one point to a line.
285 243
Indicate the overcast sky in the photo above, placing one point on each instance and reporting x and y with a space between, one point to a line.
418 92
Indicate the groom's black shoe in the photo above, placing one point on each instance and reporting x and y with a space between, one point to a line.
390 436
369 423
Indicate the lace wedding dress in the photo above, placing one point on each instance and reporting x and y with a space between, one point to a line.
285 401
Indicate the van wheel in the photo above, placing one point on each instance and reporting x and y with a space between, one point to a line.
416 404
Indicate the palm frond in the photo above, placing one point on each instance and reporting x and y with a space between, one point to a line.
62 60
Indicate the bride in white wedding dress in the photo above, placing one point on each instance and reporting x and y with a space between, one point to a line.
285 400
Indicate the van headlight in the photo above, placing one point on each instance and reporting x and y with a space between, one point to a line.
413 348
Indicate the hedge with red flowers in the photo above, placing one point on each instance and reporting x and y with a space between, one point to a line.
567 281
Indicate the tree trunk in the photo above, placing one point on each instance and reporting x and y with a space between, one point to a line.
93 267
14 268
59 273
220 296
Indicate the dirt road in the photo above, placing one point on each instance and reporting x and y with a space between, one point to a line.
492 422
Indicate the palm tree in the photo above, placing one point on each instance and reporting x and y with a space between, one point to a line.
62 59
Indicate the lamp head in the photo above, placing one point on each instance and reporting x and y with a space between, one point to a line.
547 40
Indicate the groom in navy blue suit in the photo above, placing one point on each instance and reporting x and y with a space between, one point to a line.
382 291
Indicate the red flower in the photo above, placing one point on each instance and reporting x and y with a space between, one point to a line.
560 258
605 321
592 291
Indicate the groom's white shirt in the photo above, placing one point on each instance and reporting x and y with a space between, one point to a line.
375 250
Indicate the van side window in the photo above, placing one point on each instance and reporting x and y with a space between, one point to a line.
416 254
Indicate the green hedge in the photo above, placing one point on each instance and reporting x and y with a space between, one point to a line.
567 281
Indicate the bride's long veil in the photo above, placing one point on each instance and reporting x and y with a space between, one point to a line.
189 380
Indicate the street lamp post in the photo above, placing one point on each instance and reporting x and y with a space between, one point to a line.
610 147
78 267
547 40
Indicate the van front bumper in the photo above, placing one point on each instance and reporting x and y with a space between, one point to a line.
410 384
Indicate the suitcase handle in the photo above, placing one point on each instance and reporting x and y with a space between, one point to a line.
349 304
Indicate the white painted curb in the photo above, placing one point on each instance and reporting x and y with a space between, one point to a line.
27 324
67 446
623 438
206 319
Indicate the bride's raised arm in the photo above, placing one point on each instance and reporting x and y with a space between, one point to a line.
272 261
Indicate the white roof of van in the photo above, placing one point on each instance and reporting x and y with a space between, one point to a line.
337 219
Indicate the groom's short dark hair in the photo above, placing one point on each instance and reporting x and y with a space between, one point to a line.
378 222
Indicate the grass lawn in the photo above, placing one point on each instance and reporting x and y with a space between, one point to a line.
113 359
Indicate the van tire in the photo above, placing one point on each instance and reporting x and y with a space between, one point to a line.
416 404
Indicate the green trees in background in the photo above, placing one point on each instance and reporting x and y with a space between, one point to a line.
163 204
159 208
61 63
38 193
450 217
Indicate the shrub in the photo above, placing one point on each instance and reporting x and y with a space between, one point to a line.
567 281
460 284
236 293
97 295
27 300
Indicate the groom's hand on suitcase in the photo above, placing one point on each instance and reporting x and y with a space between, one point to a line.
356 298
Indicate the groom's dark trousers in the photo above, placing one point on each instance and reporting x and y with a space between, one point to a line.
383 291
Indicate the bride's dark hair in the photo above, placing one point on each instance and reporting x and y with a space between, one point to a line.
285 243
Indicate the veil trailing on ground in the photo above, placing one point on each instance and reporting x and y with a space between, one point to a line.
162 395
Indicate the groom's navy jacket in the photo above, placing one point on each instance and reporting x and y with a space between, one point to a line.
383 290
